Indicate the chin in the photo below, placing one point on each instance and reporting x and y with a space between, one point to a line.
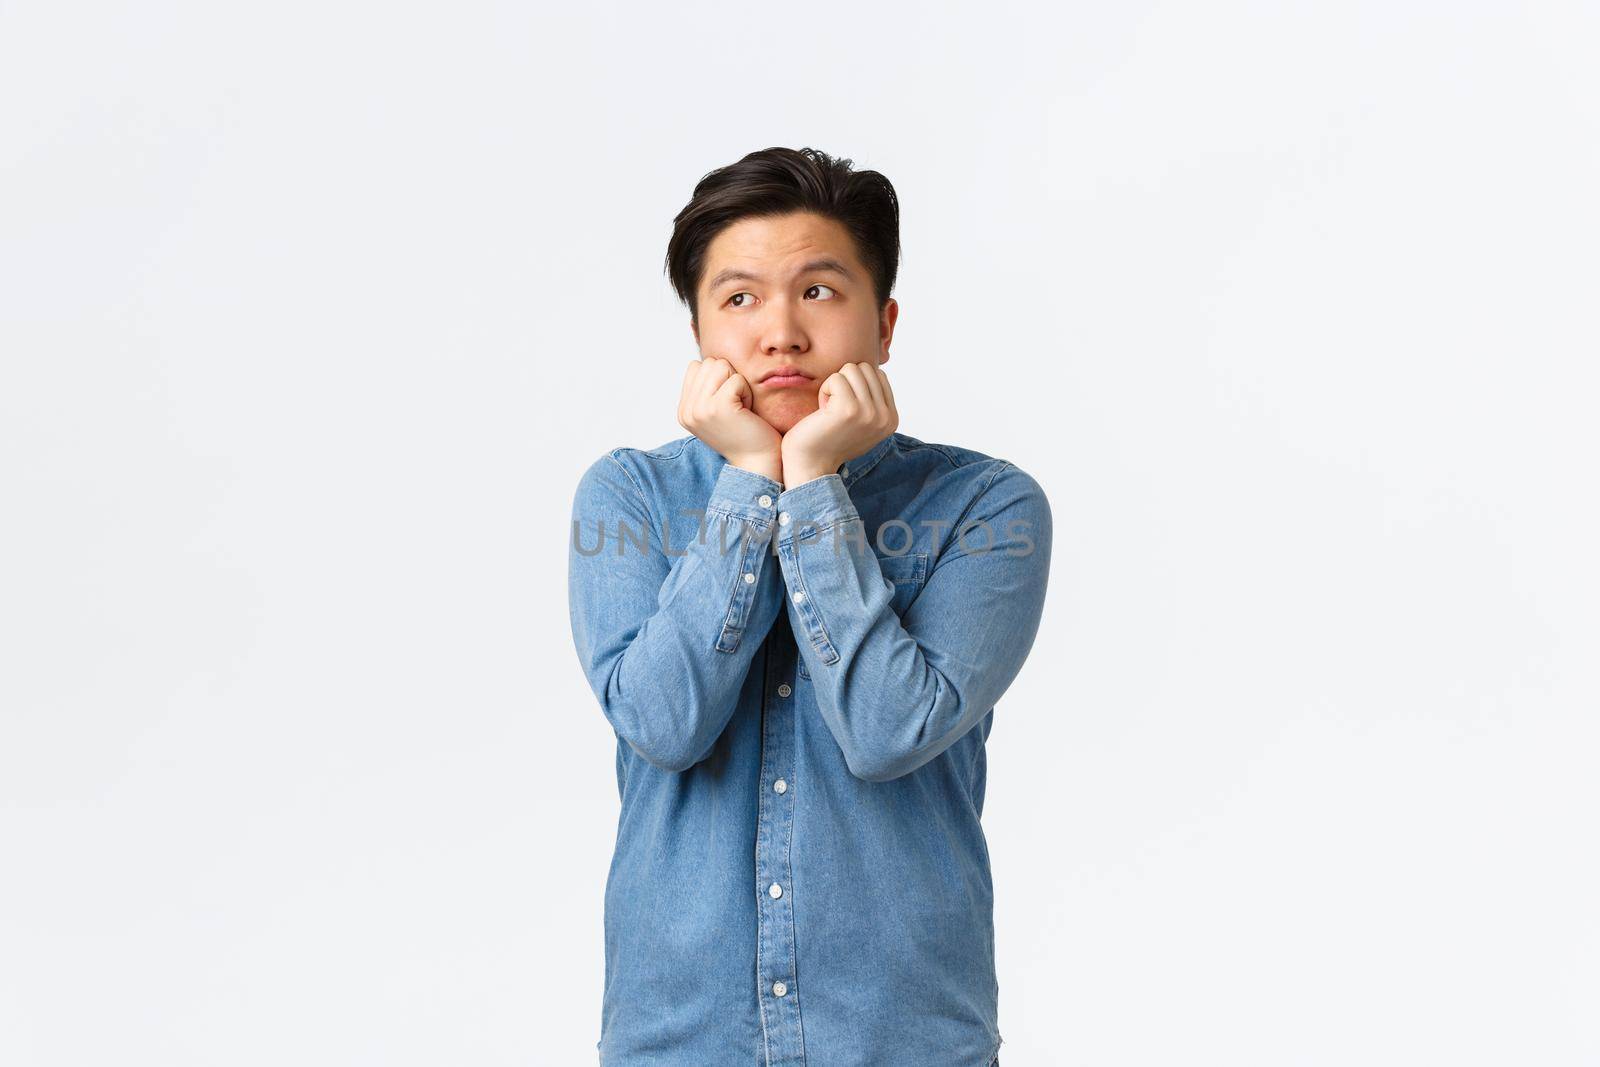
783 417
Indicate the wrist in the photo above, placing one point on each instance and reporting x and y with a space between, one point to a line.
799 473
802 465
766 466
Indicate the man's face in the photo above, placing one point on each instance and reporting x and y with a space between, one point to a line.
789 292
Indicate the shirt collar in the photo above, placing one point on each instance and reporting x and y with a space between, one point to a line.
853 470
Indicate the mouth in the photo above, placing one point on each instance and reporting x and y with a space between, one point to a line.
785 376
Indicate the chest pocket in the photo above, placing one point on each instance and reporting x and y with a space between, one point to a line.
906 573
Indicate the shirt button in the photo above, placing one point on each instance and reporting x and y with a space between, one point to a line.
748 578
780 786
776 891
799 595
844 472
764 500
779 989
784 690
783 518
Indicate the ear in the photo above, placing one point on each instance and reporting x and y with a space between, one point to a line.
694 329
886 321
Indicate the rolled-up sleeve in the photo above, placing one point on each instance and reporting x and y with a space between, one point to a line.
665 634
897 691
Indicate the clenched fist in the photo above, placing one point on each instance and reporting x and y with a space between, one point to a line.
856 412
716 407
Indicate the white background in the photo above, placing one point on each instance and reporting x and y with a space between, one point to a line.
311 314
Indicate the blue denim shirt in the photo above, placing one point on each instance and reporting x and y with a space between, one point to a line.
801 682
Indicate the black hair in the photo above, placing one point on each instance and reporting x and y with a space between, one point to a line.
779 181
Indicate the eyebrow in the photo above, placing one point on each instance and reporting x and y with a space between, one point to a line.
734 274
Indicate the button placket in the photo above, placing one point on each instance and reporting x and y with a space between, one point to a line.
775 934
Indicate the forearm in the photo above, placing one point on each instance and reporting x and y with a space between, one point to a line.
897 692
667 653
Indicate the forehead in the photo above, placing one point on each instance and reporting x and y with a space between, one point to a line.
772 246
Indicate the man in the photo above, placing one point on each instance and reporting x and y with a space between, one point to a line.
797 621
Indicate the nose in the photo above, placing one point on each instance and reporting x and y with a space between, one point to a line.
781 332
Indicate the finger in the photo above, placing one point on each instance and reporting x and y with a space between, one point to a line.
842 399
888 388
715 372
731 393
869 376
891 413
747 395
687 393
858 383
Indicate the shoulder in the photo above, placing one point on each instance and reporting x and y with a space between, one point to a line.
985 475
995 502
642 473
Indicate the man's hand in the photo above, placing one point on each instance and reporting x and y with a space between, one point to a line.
715 407
855 411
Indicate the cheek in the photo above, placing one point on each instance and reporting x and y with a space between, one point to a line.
847 338
708 352
719 345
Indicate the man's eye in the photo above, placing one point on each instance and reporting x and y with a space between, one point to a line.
736 302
